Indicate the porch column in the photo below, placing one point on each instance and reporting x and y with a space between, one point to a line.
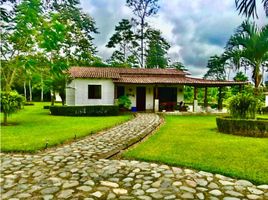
195 100
156 100
220 99
206 99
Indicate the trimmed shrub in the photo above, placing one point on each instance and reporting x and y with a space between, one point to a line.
46 107
244 127
28 104
243 106
265 110
84 110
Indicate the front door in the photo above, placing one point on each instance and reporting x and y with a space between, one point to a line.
141 98
167 98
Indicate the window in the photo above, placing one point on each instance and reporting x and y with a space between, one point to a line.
94 91
120 91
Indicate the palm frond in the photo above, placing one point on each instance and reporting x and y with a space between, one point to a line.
247 7
265 6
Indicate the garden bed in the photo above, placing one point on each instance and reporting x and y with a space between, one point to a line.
244 127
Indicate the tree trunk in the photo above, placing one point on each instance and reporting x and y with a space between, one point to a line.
142 35
30 91
257 75
10 81
53 97
262 75
220 99
42 89
5 119
25 90
125 52
63 97
206 98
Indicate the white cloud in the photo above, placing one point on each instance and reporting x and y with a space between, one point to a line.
195 29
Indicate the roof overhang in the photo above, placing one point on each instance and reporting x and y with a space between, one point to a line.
146 76
176 81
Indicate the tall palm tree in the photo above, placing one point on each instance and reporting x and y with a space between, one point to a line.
248 7
251 43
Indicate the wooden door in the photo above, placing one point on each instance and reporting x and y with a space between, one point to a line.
141 98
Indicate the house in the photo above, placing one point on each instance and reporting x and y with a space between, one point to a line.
147 89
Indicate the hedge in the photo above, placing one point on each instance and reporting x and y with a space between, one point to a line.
84 110
244 127
28 104
46 107
265 110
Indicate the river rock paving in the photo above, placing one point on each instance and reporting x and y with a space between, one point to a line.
81 170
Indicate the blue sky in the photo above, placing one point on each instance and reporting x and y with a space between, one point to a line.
195 29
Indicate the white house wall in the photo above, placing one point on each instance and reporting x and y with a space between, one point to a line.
77 93
131 92
81 92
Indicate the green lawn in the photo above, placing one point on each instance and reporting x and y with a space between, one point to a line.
34 126
193 141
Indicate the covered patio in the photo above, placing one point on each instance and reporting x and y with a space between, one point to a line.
167 94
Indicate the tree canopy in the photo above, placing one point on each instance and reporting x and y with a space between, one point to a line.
45 37
216 70
142 9
156 54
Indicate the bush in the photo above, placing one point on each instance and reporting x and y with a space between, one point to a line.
84 110
10 103
46 107
124 102
264 110
243 106
28 104
244 127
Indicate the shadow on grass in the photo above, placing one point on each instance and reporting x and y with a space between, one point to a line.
10 124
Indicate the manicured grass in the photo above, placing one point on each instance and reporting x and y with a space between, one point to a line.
193 141
34 126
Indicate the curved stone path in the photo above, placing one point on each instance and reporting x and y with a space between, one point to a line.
79 171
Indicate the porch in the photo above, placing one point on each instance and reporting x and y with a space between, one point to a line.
151 97
167 98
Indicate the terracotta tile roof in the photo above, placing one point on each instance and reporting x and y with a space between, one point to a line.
113 72
93 72
174 80
204 82
145 76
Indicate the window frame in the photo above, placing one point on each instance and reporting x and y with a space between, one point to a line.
117 91
94 91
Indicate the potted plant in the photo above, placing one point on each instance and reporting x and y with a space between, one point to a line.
124 103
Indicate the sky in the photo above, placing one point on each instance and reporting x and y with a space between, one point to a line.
196 29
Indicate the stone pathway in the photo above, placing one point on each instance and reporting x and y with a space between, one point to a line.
79 171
